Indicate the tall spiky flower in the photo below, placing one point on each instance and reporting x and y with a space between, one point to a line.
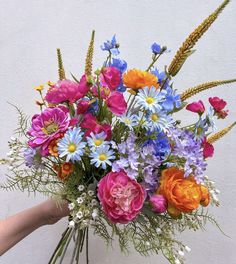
61 71
212 139
89 57
186 49
202 87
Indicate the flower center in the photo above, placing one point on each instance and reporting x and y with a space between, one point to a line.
199 130
50 127
102 157
97 142
127 121
154 117
72 147
150 100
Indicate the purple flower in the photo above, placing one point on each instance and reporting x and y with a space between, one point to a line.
32 158
111 46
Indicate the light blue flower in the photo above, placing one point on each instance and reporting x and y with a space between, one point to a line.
121 65
157 49
159 121
210 119
172 100
71 145
129 120
160 75
102 156
150 99
141 119
111 46
97 140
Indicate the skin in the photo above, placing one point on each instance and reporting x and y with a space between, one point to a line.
20 225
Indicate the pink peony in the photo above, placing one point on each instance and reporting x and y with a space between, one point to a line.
91 124
116 103
208 149
158 203
217 103
47 126
121 198
196 107
110 77
67 90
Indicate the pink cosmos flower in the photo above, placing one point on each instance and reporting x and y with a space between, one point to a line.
110 77
91 124
67 90
196 107
208 149
121 198
47 126
158 203
116 103
217 103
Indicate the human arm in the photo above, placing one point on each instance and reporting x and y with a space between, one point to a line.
18 226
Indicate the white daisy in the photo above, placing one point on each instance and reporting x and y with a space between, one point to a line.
97 140
128 119
159 121
101 156
150 99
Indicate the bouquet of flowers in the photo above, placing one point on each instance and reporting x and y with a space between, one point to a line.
110 144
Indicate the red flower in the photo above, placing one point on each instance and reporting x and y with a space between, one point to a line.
111 77
208 149
116 103
217 103
196 107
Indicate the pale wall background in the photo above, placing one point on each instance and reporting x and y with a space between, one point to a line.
30 32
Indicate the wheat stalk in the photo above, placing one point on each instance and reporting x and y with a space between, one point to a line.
212 139
89 57
186 49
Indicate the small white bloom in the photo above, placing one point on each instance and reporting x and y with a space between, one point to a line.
217 191
212 191
181 253
90 193
94 202
83 195
79 215
147 243
188 249
81 188
80 200
9 153
72 224
206 177
215 198
95 213
158 230
177 261
71 206
13 139
10 168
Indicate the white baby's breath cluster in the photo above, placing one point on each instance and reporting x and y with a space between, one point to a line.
214 192
85 209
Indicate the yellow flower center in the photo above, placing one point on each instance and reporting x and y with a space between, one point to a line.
102 157
50 127
98 142
150 100
154 117
199 130
127 121
72 148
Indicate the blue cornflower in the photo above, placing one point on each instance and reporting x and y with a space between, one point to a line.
157 49
172 100
150 99
121 65
159 121
71 145
102 156
97 140
160 75
111 46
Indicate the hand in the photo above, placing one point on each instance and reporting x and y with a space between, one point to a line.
53 211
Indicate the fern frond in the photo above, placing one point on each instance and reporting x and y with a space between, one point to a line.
212 139
202 87
186 49
61 71
89 57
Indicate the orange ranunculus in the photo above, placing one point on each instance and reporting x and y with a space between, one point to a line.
183 194
137 79
205 196
64 170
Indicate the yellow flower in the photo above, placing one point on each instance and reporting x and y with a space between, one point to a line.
39 87
49 83
137 79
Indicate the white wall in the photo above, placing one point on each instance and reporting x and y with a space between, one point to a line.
30 32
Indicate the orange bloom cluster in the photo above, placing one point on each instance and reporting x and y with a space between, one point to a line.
183 194
64 170
137 79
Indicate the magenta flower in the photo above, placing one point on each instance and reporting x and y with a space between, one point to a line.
158 203
67 90
217 103
116 103
196 107
47 126
110 77
208 149
121 198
